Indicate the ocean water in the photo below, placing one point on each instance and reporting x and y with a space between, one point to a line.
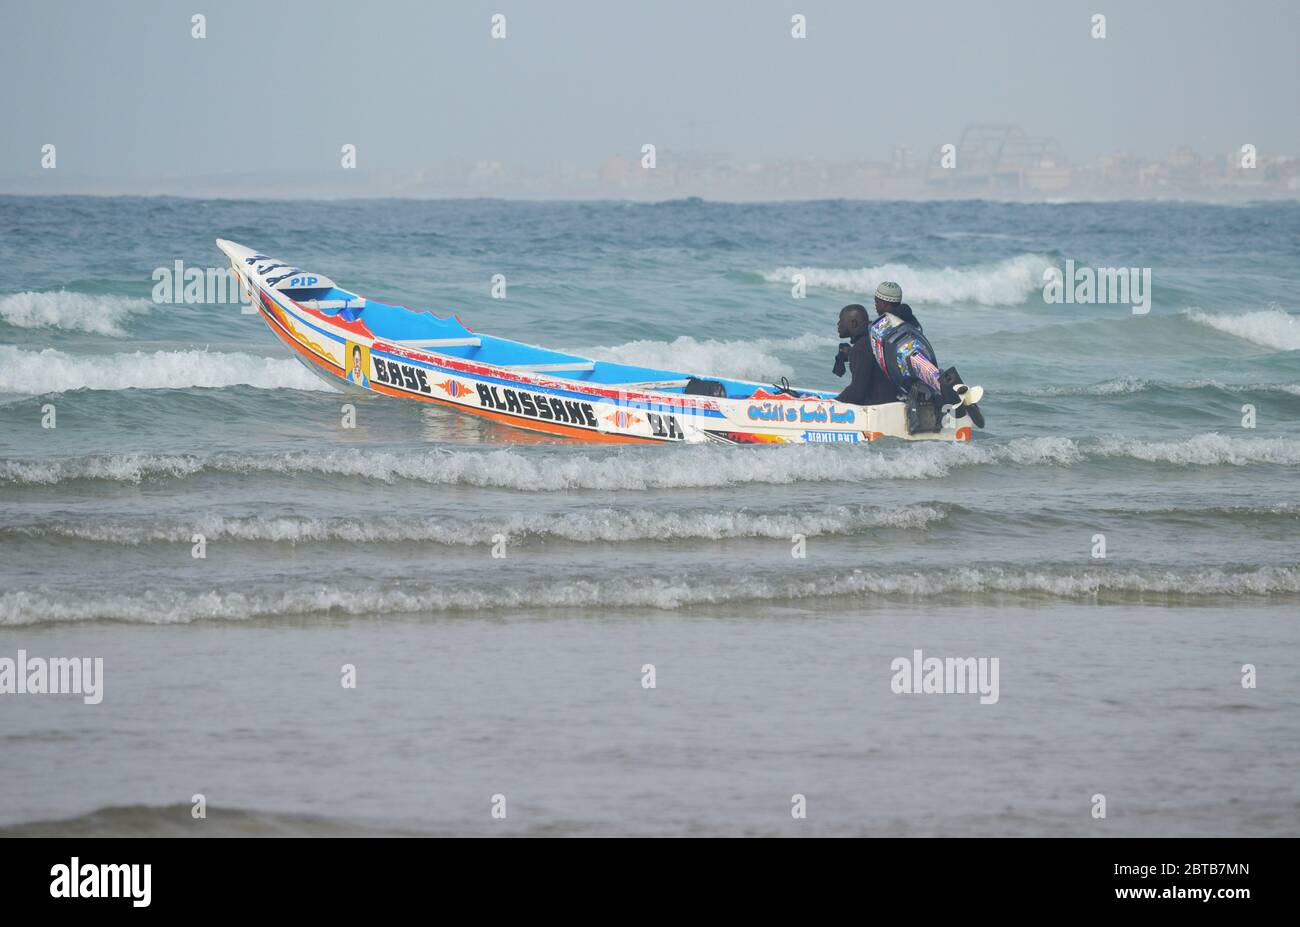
522 675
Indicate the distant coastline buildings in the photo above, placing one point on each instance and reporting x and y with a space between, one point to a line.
991 161
987 161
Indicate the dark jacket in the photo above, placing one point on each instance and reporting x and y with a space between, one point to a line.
904 312
870 385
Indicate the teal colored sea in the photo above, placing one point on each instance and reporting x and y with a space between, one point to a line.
1123 536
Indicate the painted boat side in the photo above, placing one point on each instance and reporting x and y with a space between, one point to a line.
561 407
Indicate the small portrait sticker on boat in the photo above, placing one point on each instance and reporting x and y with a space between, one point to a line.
358 362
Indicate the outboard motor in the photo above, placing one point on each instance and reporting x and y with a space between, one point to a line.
908 359
896 344
952 391
924 411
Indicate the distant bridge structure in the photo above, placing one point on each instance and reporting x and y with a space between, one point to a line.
996 157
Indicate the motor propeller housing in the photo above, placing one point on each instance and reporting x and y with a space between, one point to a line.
966 398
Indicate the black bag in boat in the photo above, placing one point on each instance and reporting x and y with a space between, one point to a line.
697 387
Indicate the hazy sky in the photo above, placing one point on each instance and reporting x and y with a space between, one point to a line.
124 91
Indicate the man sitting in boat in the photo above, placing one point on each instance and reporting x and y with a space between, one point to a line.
889 299
871 381
869 385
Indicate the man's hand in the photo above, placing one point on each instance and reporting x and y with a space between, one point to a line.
841 357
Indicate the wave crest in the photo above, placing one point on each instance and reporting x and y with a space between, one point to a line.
1268 328
51 371
697 467
1054 581
742 360
1004 283
79 312
583 526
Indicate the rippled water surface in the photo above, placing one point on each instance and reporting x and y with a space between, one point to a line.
522 674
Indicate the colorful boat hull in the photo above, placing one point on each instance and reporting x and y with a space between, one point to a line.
332 334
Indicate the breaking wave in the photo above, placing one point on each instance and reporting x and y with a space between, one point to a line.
1206 450
585 526
743 360
1268 328
98 315
1123 386
1004 283
1052 581
658 468
51 371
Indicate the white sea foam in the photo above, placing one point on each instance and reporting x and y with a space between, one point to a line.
1269 328
1008 282
583 526
51 371
744 360
1204 450
1123 386
99 315
663 468
706 466
165 606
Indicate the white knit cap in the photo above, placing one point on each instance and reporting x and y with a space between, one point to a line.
890 292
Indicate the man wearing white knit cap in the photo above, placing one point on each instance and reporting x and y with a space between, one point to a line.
889 298
892 361
869 385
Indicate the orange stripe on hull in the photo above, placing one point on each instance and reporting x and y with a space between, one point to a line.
514 421
280 332
504 418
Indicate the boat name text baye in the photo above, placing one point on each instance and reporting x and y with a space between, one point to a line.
403 376
519 402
